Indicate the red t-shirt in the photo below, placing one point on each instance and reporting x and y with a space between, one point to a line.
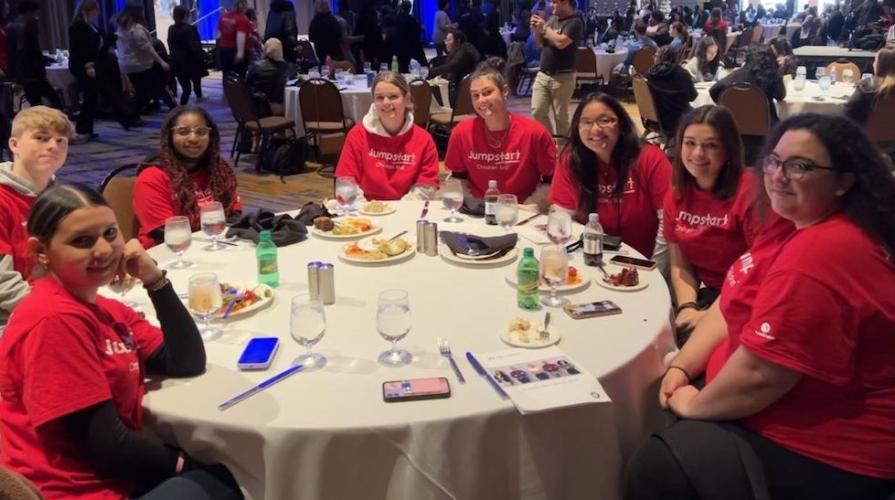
634 217
386 167
710 232
154 201
229 25
58 360
708 26
14 208
526 154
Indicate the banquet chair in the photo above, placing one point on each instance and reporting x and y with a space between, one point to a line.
879 125
649 114
242 106
757 34
421 93
525 79
750 109
586 66
842 65
686 51
741 45
322 113
462 107
643 60
117 189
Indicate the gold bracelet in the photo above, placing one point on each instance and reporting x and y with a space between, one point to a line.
159 283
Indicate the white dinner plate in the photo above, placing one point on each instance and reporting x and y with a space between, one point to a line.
585 281
449 256
259 289
411 250
535 340
389 209
329 234
616 269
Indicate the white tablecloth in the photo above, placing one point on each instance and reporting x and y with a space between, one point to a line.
606 61
833 53
356 101
808 100
328 435
61 78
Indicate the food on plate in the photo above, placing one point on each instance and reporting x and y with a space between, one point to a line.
573 278
626 277
244 297
382 249
524 331
353 225
376 207
324 224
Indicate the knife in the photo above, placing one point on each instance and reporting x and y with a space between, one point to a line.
260 387
425 210
525 221
481 371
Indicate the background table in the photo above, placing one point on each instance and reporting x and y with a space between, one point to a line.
356 101
811 56
328 435
61 78
606 61
808 100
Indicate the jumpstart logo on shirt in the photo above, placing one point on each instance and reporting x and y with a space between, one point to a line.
503 160
701 220
116 347
394 161
764 331
740 268
204 196
607 191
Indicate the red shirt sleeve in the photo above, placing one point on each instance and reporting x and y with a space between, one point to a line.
668 217
350 161
563 191
152 202
61 369
657 171
546 152
453 159
428 175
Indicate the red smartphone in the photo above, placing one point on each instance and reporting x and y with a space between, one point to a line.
624 260
395 391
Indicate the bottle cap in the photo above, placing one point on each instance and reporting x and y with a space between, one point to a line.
492 184
528 252
593 217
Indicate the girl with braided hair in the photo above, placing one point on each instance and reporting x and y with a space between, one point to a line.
187 172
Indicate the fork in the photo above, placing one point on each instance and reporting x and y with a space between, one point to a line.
445 349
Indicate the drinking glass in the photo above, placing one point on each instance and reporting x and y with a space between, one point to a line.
393 323
340 77
214 223
178 237
313 73
554 270
848 76
819 73
559 227
307 324
424 72
452 198
507 210
383 67
346 194
801 71
121 287
824 83
367 68
799 83
205 300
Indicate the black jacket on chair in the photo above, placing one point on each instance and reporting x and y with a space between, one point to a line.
85 42
269 78
673 90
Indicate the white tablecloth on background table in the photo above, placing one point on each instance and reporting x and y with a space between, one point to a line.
859 57
61 78
803 101
606 61
328 434
356 101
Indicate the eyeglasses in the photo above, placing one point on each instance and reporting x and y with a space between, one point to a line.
602 122
794 168
185 131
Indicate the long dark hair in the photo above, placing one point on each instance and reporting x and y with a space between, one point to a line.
870 202
885 69
781 45
130 15
703 64
221 179
55 204
583 163
720 119
762 65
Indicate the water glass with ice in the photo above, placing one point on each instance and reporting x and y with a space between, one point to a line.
214 223
205 300
346 194
507 210
178 237
393 322
307 325
452 198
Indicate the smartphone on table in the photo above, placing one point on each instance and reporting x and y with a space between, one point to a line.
258 353
624 260
592 309
395 391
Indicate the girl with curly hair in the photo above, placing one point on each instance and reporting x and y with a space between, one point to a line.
187 172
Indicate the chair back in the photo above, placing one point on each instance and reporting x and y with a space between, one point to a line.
744 39
240 100
118 190
879 125
644 59
749 107
757 33
463 104
841 66
421 92
646 104
585 64
304 50
687 50
320 101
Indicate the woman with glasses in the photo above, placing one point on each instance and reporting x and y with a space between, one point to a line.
516 151
72 375
187 172
797 352
605 169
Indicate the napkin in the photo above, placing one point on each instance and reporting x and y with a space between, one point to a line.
284 229
311 211
473 206
462 244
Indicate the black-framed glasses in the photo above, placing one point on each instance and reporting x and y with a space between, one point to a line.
603 122
185 131
794 168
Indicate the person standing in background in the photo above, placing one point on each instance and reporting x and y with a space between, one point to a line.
136 57
26 61
281 25
555 83
325 33
186 49
442 23
232 40
85 42
407 39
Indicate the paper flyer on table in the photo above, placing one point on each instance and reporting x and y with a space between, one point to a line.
542 379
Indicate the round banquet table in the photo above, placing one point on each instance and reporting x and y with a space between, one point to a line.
356 100
61 78
327 434
808 100
606 61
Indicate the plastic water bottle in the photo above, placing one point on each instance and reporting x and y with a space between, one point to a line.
593 241
491 203
394 64
266 253
527 280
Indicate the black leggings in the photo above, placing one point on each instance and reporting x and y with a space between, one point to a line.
189 83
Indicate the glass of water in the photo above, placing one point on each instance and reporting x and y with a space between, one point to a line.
559 227
848 76
824 83
799 83
307 324
313 73
178 237
452 198
346 194
393 323
205 301
214 223
554 270
819 72
507 210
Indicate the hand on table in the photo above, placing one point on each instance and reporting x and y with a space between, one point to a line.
673 380
688 318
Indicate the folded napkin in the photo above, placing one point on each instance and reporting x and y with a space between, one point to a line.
478 247
473 206
283 228
311 211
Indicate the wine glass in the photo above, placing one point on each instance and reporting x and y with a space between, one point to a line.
393 323
554 270
799 83
346 194
848 76
820 72
340 76
452 198
307 324
559 227
507 210
178 237
824 83
214 223
205 300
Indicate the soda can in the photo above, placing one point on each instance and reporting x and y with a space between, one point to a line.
314 279
327 285
431 238
421 236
